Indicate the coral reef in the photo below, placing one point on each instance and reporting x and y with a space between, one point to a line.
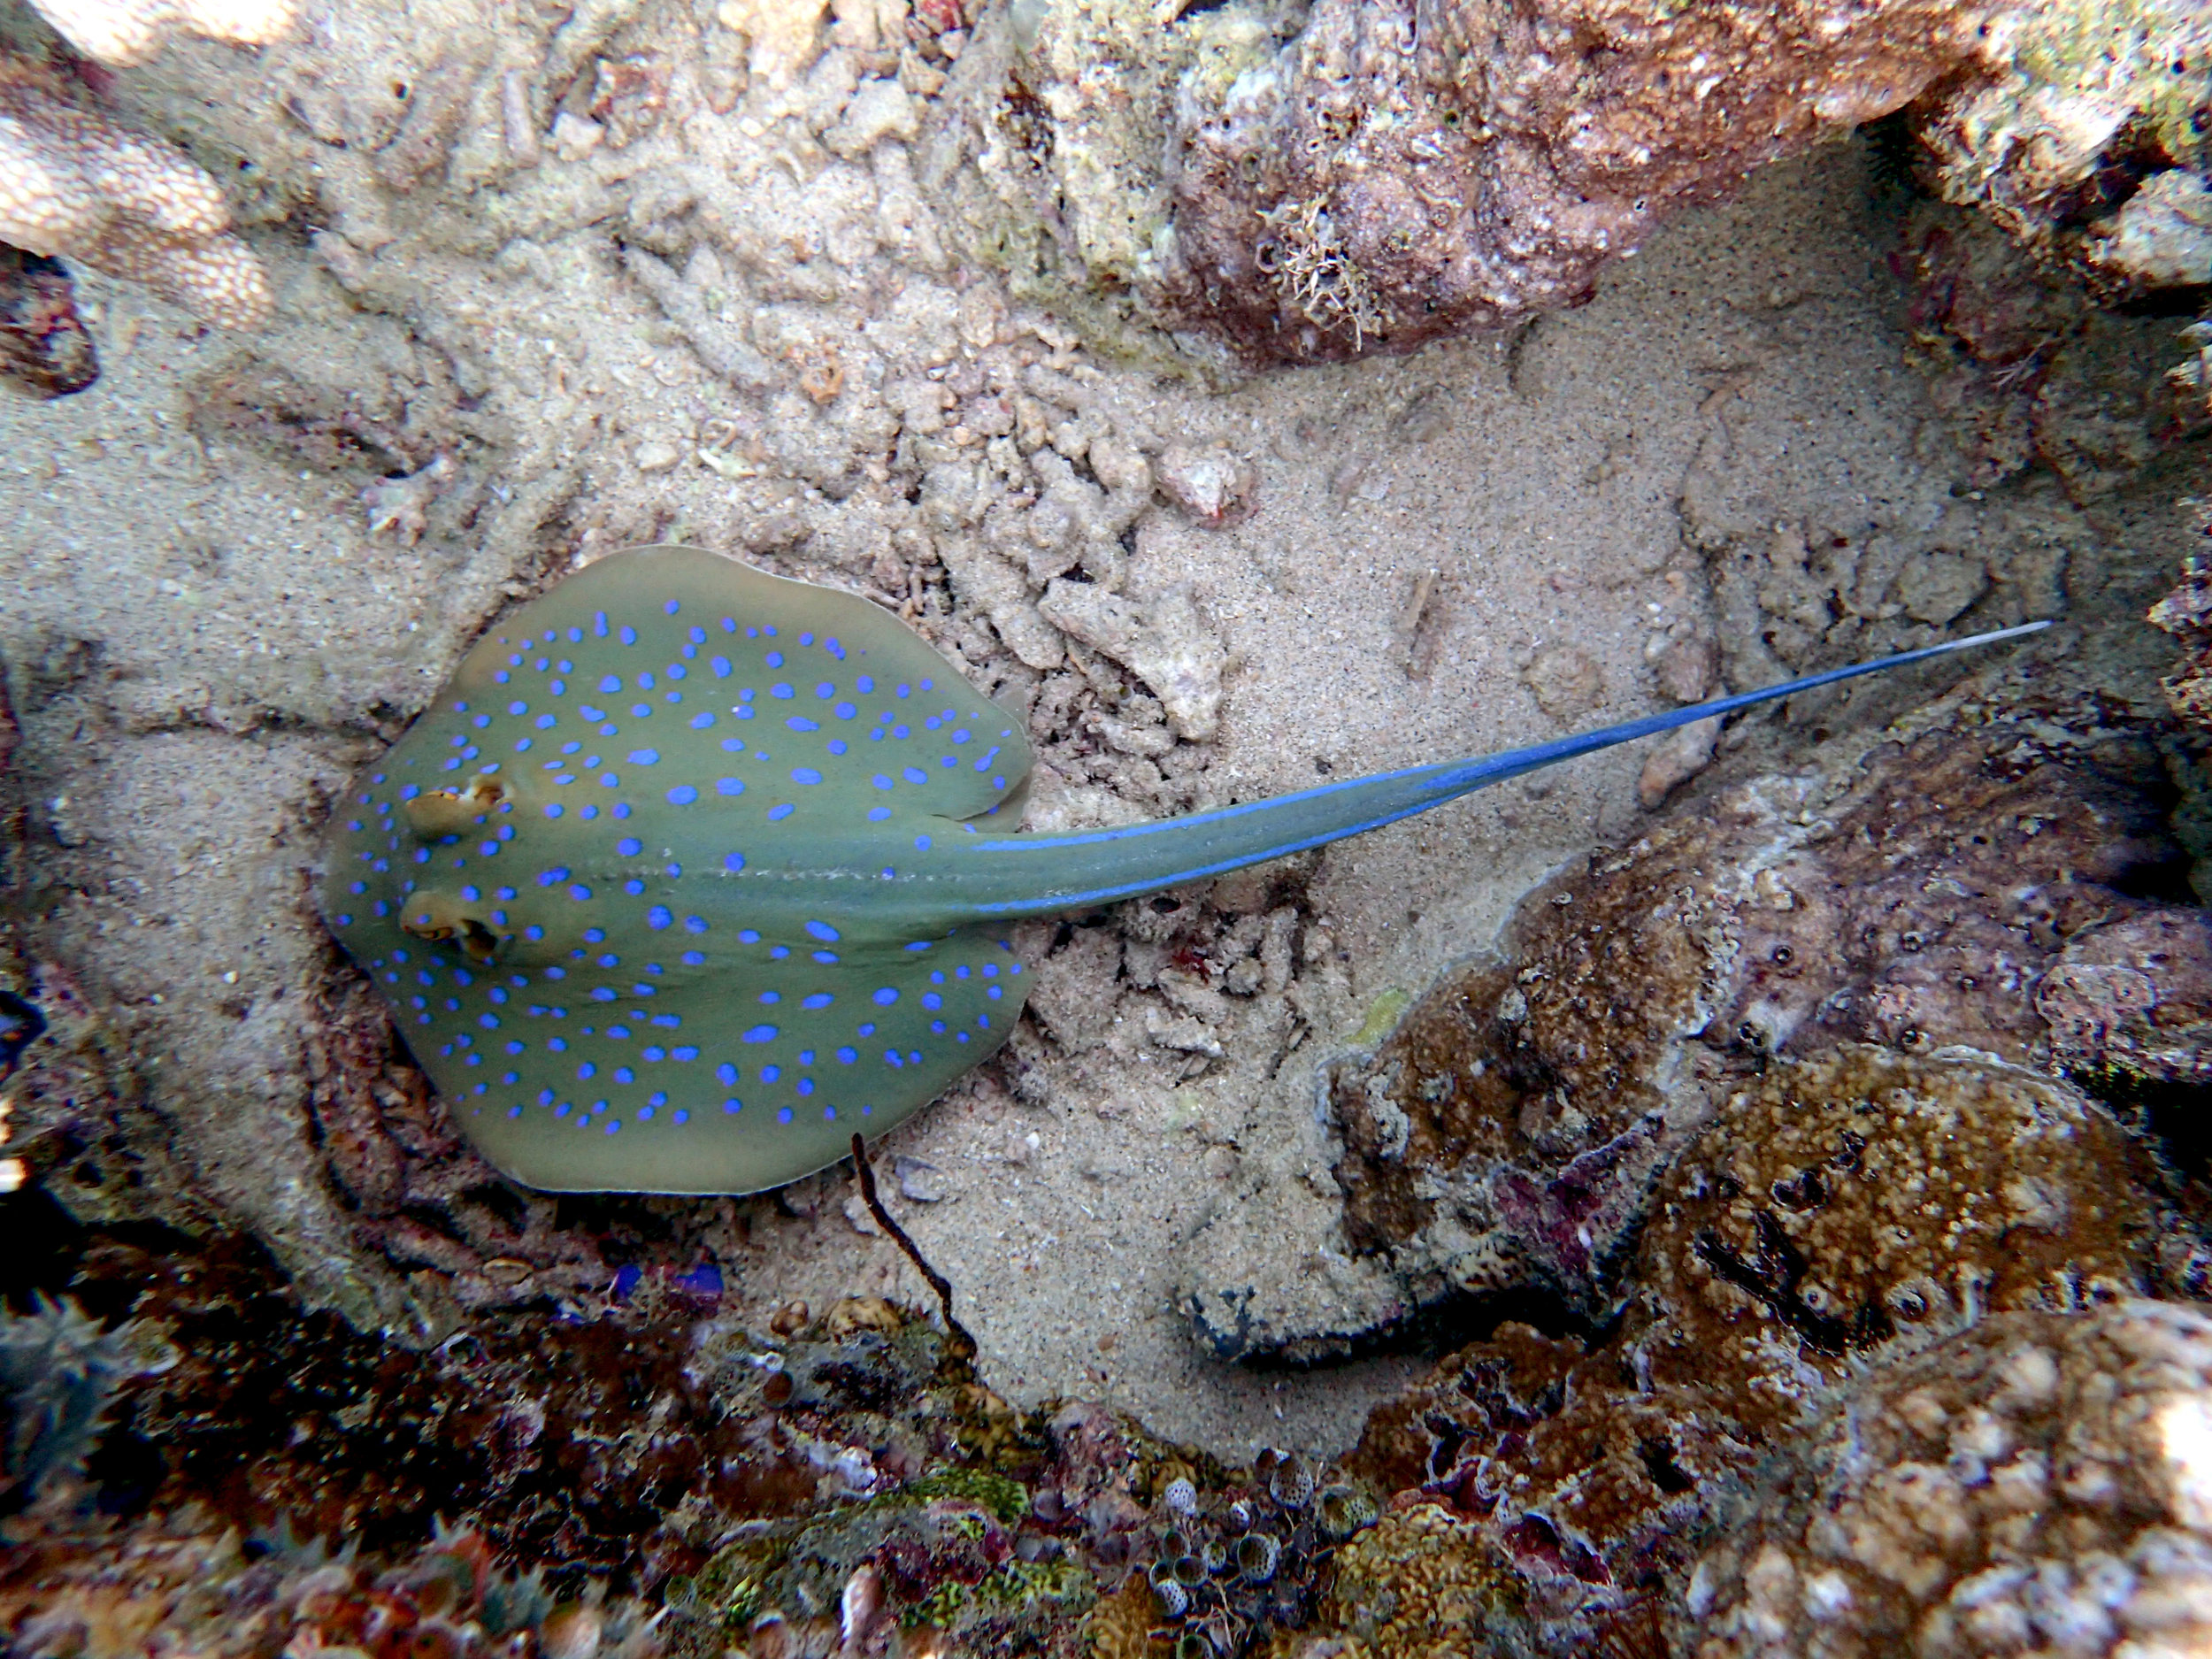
1834 1211
764 1485
58 1371
1315 184
2035 1484
70 1586
1978 880
78 185
2089 142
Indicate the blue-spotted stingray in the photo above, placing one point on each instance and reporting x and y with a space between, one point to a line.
692 872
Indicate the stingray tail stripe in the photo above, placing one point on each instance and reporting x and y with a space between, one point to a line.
1102 866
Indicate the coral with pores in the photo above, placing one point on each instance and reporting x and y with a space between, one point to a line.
2037 1484
75 184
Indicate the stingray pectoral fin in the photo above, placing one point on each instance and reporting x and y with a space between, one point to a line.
1049 874
738 1077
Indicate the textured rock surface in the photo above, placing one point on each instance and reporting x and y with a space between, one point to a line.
2037 1484
1978 881
1311 185
2087 141
1834 1211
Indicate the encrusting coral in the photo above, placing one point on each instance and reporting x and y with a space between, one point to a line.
2040 1485
76 185
1315 185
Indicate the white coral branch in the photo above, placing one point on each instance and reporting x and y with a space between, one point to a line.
75 185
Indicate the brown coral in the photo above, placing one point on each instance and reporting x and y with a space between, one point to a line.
1506 1133
1834 1211
2041 1484
73 184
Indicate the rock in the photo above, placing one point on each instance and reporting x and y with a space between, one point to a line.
1215 487
1506 1133
2160 238
1372 183
1674 760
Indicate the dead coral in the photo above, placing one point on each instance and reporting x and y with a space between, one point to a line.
75 184
2036 1485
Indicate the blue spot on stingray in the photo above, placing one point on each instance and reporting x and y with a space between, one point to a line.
914 775
699 722
725 1074
721 666
783 1114
628 637
658 918
644 757
682 795
887 996
820 999
629 847
761 1033
732 1106
612 682
729 786
921 843
553 809
805 774
877 814
783 812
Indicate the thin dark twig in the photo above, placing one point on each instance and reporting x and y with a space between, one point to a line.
962 1345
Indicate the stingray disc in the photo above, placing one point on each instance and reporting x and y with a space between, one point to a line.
628 887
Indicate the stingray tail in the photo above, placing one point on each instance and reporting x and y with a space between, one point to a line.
1057 873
